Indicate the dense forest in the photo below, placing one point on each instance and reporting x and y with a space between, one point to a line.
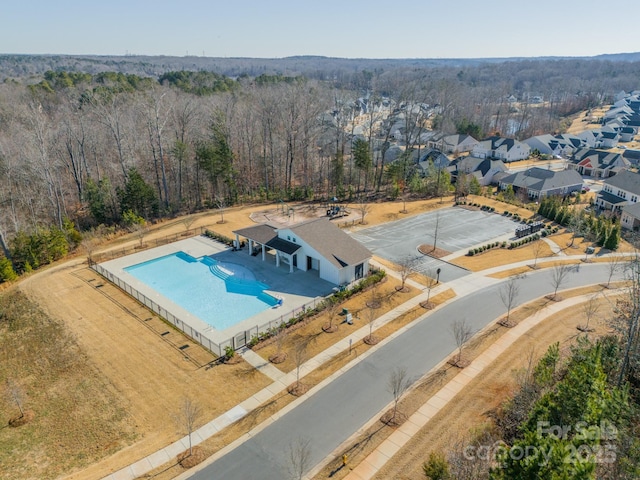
86 147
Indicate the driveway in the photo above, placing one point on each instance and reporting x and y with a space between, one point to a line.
335 412
457 229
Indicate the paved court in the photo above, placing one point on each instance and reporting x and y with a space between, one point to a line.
458 229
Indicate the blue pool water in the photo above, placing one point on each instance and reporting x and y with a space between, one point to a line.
219 294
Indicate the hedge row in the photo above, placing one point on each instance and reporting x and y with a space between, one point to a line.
524 241
484 248
486 208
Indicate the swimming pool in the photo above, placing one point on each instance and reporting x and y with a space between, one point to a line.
220 294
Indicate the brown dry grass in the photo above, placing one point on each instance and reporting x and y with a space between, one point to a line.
460 419
147 374
311 333
456 420
276 403
502 256
142 371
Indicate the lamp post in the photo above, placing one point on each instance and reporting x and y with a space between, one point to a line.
438 275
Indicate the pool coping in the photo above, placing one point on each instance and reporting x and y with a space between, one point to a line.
198 247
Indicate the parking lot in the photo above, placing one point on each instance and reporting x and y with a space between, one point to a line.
457 229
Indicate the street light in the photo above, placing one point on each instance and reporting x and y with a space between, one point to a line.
438 275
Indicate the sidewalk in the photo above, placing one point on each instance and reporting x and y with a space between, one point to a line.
461 286
376 460
281 381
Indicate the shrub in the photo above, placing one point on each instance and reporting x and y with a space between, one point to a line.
229 352
470 253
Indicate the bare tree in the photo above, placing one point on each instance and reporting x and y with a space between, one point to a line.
279 339
187 221
407 268
374 297
221 204
627 321
371 339
188 417
509 295
398 383
590 308
364 208
405 196
300 356
299 458
15 393
614 264
329 327
435 231
558 276
537 248
462 333
430 282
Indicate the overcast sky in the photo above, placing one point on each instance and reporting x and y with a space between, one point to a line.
334 28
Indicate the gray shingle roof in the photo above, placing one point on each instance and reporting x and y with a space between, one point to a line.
319 233
632 209
331 242
260 233
625 180
543 180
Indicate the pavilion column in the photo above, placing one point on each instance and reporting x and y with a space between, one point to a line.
277 258
290 263
264 249
250 246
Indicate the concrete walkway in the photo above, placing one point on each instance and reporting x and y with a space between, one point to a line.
461 286
376 460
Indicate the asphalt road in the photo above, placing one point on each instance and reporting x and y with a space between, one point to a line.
335 412
458 229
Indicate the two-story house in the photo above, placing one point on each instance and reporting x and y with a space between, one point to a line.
597 163
501 148
619 191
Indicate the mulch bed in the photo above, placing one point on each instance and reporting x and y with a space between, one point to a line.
393 419
298 389
459 363
371 340
278 358
198 455
330 328
429 250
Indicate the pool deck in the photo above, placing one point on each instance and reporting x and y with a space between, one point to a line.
296 289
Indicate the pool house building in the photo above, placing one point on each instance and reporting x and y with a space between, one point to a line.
312 245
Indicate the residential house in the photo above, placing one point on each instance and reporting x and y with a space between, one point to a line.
313 245
506 149
605 137
630 216
537 182
484 169
431 156
597 163
633 156
619 191
457 144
